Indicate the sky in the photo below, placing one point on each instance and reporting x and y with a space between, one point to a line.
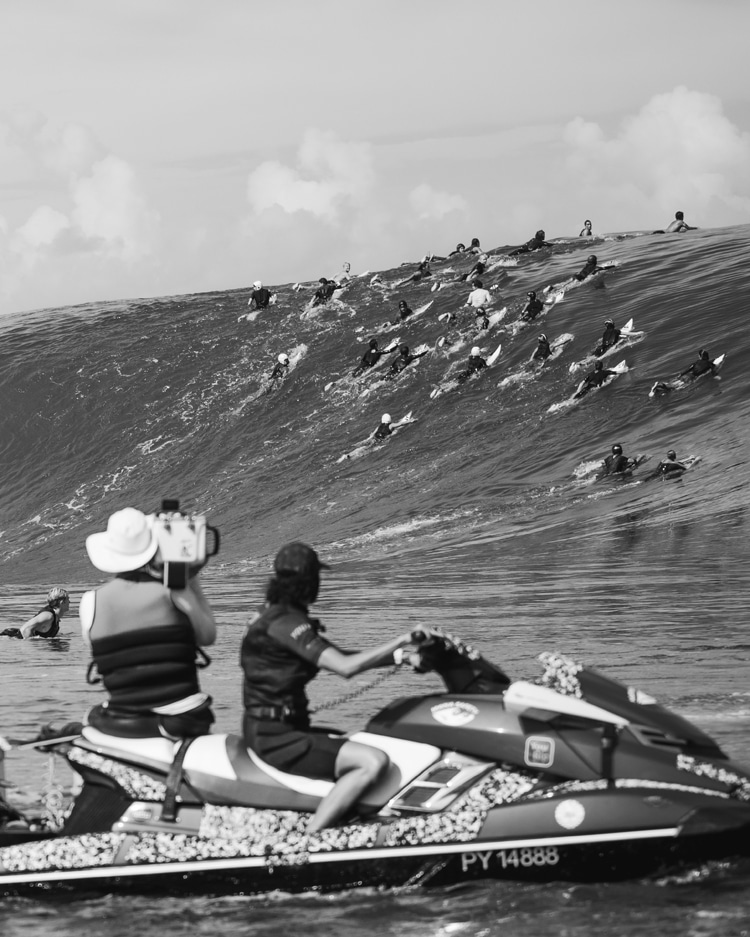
162 147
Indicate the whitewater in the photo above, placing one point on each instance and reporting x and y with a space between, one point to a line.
474 517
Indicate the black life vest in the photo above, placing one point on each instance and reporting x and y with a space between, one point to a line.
144 648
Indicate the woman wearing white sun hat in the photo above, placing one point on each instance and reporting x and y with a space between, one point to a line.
144 637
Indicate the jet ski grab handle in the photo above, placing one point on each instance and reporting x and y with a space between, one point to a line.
462 667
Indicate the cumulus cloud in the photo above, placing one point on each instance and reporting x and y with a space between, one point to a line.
68 150
679 150
93 207
331 176
108 208
429 203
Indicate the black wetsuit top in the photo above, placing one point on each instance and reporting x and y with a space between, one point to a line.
701 366
323 294
610 337
261 297
279 372
383 431
670 467
615 463
473 366
476 271
543 351
369 358
398 364
533 245
596 379
587 270
475 363
404 312
533 309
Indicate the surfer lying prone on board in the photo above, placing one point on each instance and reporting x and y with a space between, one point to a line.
402 360
618 464
670 467
386 428
595 379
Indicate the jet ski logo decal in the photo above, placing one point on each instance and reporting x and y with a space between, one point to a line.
570 814
539 752
454 714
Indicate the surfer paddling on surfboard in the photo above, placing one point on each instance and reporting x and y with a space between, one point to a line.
595 379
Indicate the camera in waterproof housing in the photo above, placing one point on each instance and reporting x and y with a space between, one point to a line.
183 542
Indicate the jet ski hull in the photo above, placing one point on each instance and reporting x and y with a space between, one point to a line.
602 833
573 778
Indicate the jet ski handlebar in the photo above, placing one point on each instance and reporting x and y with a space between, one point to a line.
462 667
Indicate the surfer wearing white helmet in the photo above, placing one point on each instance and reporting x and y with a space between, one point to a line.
473 366
384 430
476 362
387 427
610 337
260 296
280 369
543 349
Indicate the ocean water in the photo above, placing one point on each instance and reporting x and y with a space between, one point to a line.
471 518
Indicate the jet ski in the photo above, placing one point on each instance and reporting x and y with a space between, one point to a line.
574 777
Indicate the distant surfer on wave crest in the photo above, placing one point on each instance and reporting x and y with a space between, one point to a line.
260 296
534 244
678 225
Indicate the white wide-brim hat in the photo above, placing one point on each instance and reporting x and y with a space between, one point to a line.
127 544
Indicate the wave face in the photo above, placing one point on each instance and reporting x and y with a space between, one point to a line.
119 403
